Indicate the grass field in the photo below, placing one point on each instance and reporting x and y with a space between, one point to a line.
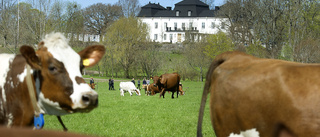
139 115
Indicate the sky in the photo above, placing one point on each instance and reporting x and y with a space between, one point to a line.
164 3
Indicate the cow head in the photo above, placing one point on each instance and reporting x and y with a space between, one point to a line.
58 68
137 92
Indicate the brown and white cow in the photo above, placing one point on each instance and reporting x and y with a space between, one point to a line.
273 97
168 82
56 74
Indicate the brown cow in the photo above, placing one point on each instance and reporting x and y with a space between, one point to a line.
55 74
92 85
168 82
275 97
152 88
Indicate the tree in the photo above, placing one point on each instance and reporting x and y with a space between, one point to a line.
74 20
55 19
194 52
217 44
8 23
149 58
124 43
99 16
210 3
129 7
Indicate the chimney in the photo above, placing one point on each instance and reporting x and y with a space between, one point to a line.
168 8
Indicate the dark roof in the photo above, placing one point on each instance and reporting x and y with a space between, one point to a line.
191 2
197 8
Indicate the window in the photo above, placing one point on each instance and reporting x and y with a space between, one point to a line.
190 25
164 36
165 25
203 25
171 36
177 13
189 12
155 36
213 25
156 25
175 26
183 25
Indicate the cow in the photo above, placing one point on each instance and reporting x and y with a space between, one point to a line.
92 85
55 72
151 89
129 87
168 82
274 97
181 92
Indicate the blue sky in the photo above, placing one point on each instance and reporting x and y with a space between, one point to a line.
164 3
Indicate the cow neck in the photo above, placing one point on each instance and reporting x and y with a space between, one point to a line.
32 92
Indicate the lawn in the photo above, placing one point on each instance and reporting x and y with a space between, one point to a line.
139 115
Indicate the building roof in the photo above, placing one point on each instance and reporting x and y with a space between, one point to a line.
192 2
185 8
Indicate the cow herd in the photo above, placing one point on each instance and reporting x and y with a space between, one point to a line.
166 82
249 96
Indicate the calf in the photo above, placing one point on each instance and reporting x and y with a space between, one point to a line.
129 87
55 74
275 97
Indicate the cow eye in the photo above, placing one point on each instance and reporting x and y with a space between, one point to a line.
52 69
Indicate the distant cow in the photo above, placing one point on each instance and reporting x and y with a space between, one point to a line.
275 97
55 75
129 87
168 82
92 85
151 89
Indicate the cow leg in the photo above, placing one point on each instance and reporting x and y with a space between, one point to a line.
130 92
172 96
177 91
162 93
121 92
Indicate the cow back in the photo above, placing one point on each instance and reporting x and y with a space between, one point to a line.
268 95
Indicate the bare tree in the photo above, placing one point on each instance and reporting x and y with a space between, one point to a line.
210 3
74 20
149 58
8 23
55 20
196 58
99 16
129 7
125 43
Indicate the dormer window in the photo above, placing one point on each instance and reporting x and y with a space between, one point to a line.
189 13
177 13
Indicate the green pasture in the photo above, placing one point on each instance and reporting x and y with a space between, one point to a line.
139 115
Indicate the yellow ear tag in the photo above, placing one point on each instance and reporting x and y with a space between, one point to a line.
86 62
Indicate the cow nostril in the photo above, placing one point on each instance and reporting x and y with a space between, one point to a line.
85 98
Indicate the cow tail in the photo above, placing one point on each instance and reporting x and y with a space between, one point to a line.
217 61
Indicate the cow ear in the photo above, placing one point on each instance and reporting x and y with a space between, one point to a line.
91 55
30 55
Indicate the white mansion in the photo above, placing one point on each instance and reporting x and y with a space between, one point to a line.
189 19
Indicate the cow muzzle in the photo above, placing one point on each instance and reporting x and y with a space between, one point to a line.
89 101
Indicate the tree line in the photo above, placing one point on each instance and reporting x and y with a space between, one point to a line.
283 29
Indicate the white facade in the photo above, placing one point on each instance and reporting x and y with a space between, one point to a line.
174 29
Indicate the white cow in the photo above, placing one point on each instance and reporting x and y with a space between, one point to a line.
129 87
